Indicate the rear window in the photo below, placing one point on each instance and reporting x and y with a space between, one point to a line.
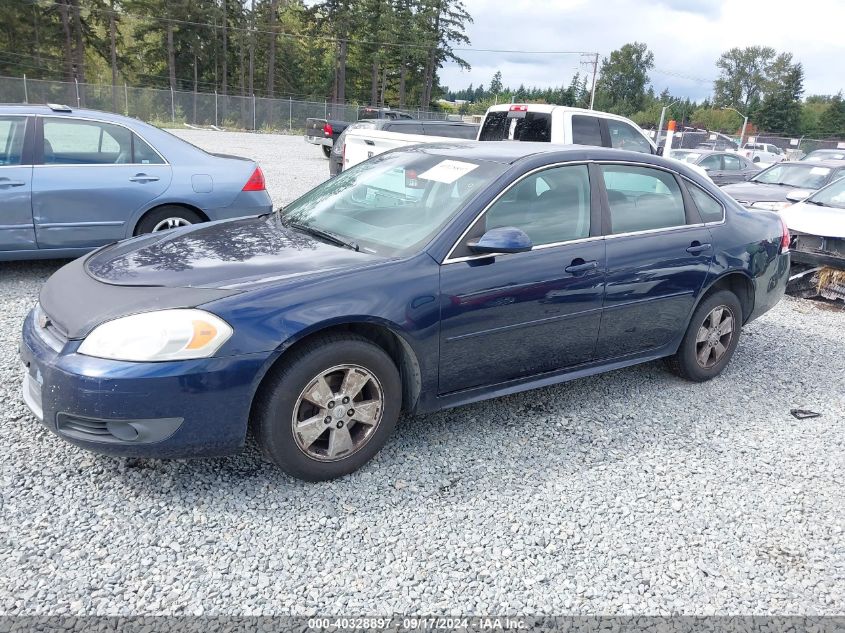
534 126
452 131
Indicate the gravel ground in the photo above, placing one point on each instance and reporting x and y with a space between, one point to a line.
628 493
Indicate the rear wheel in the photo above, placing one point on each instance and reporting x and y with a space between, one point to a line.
711 338
167 217
327 150
329 408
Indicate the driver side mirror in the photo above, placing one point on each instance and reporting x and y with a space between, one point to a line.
506 239
797 195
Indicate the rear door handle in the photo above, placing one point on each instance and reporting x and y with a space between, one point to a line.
696 249
5 182
143 178
576 267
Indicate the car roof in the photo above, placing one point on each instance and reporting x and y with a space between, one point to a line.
61 110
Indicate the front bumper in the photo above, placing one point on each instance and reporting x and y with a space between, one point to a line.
170 409
319 140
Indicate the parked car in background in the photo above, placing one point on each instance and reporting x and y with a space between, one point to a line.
325 132
762 153
440 129
817 225
425 278
520 122
73 180
825 154
723 168
771 188
719 145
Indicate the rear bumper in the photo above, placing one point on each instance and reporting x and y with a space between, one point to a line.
319 140
770 286
171 409
247 203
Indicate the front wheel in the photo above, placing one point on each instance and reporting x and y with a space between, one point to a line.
329 408
327 150
711 338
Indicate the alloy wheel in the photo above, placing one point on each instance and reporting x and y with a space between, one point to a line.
170 223
713 338
337 412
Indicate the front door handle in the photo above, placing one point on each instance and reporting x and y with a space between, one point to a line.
143 178
5 182
697 248
580 266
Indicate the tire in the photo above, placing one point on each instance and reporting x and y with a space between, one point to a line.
327 150
686 362
159 218
321 450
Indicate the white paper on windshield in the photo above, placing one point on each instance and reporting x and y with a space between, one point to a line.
447 171
820 171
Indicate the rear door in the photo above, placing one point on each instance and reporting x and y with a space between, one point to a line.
91 180
16 229
658 257
734 169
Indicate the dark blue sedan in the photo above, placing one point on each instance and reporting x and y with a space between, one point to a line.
425 278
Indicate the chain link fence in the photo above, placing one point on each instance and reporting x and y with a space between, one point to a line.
167 108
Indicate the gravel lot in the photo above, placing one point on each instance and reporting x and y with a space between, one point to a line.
629 493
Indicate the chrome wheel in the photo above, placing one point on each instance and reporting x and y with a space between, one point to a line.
170 223
337 413
713 338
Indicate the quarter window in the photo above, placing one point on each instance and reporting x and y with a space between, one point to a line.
642 199
144 154
623 136
78 142
586 131
11 139
708 208
550 206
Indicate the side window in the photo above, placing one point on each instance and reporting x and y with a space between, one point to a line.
708 208
711 162
586 130
402 128
642 198
12 129
623 136
144 154
78 142
550 206
732 163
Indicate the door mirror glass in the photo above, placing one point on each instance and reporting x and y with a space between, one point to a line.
506 239
797 195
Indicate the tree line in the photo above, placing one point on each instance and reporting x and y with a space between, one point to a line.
369 51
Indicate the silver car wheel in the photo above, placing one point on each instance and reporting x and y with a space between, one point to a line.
170 223
713 338
337 412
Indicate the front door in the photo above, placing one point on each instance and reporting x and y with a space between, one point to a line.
16 229
658 257
91 182
509 316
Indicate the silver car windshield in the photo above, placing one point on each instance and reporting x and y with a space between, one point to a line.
801 176
394 203
831 196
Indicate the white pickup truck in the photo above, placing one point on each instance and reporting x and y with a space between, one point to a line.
517 122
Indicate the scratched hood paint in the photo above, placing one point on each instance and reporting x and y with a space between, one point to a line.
233 253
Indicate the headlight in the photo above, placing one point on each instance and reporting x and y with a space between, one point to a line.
770 206
157 336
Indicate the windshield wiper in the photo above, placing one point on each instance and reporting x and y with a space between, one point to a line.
326 235
816 202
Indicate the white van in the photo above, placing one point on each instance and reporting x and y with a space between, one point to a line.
517 122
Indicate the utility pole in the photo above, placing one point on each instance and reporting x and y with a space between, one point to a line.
595 64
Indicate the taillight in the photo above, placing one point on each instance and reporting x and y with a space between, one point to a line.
327 129
519 108
785 237
256 181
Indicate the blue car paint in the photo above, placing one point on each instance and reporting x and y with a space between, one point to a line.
68 210
467 338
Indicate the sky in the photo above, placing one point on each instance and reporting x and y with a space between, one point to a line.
686 37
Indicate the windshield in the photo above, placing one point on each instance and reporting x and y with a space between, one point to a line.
825 154
831 196
794 175
394 203
689 157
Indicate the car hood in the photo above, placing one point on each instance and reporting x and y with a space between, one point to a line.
815 220
757 192
228 254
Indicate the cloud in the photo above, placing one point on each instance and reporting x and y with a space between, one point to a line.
686 36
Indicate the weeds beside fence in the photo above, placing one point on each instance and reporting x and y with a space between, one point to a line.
168 108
